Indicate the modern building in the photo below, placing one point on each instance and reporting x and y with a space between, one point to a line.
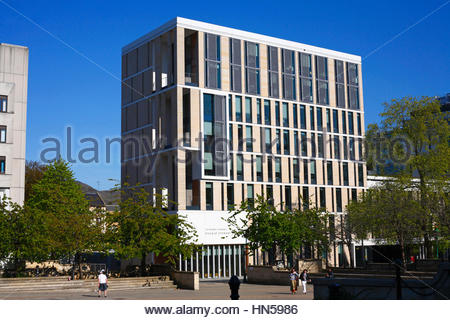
293 114
13 118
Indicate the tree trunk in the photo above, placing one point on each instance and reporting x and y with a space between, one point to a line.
402 246
80 271
143 265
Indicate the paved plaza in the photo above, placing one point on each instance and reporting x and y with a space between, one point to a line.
209 290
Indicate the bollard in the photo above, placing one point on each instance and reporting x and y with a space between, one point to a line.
234 284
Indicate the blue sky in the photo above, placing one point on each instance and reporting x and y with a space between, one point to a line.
66 89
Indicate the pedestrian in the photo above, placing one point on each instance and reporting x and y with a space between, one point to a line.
234 284
329 274
102 284
304 279
293 277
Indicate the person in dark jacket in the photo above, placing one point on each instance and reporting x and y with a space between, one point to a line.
234 284
304 279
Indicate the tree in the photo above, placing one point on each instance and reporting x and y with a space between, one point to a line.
69 226
269 229
34 171
139 227
389 213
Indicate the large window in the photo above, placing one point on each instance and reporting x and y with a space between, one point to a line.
277 169
2 164
319 119
268 140
345 170
305 68
267 112
311 118
320 145
328 120
302 117
249 139
296 169
288 197
286 144
296 151
295 115
288 74
240 167
335 121
358 123
273 72
312 164
258 111
305 172
252 68
285 115
304 144
353 85
350 123
278 142
235 65
323 202
277 114
248 110
240 138
338 200
230 196
352 148
360 175
259 173
337 152
329 173
322 80
250 195
340 83
212 61
305 198
270 169
2 134
209 196
3 104
238 108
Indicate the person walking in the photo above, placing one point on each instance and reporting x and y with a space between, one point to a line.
304 279
293 277
102 284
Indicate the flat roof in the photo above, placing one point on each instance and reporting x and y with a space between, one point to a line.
239 34
12 45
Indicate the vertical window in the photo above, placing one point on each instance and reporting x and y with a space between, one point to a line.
250 195
238 108
340 83
328 120
2 134
360 151
345 170
354 195
248 110
338 200
337 151
269 191
296 169
230 196
230 107
305 69
278 137
240 138
323 201
277 113
329 173
288 197
212 61
296 151
295 115
358 123
259 173
267 112
231 167
302 117
319 119
270 169
3 104
305 172
313 145
335 121
360 175
352 148
288 74
320 145
209 196
285 115
286 144
235 65
304 144
312 165
273 71
258 111
239 167
277 169
252 68
2 164
353 85
305 198
345 148
249 139
322 80
268 140
311 118
350 123
230 136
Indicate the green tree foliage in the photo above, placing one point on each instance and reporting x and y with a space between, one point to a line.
34 171
139 227
267 228
388 213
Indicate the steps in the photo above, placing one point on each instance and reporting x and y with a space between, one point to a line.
61 283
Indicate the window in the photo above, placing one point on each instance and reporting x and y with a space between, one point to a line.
340 84
268 140
250 195
360 151
353 85
352 148
337 152
269 191
323 201
239 167
345 170
295 115
235 65
335 122
267 112
238 108
358 123
231 167
304 144
278 138
344 123
252 68
230 196
312 165
240 138
329 173
277 113
248 110
319 119
350 123
328 120
285 115
338 200
258 111
2 164
305 197
313 145
259 173
286 144
302 117
212 61
320 145
288 74
296 169
360 175
296 151
273 72
305 69
209 196
322 80
311 118
305 172
288 197
2 134
230 136
345 148
3 104
269 169
249 139
277 169
354 195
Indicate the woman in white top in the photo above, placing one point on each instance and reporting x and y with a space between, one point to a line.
102 284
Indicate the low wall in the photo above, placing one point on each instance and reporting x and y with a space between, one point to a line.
183 279
377 289
267 275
